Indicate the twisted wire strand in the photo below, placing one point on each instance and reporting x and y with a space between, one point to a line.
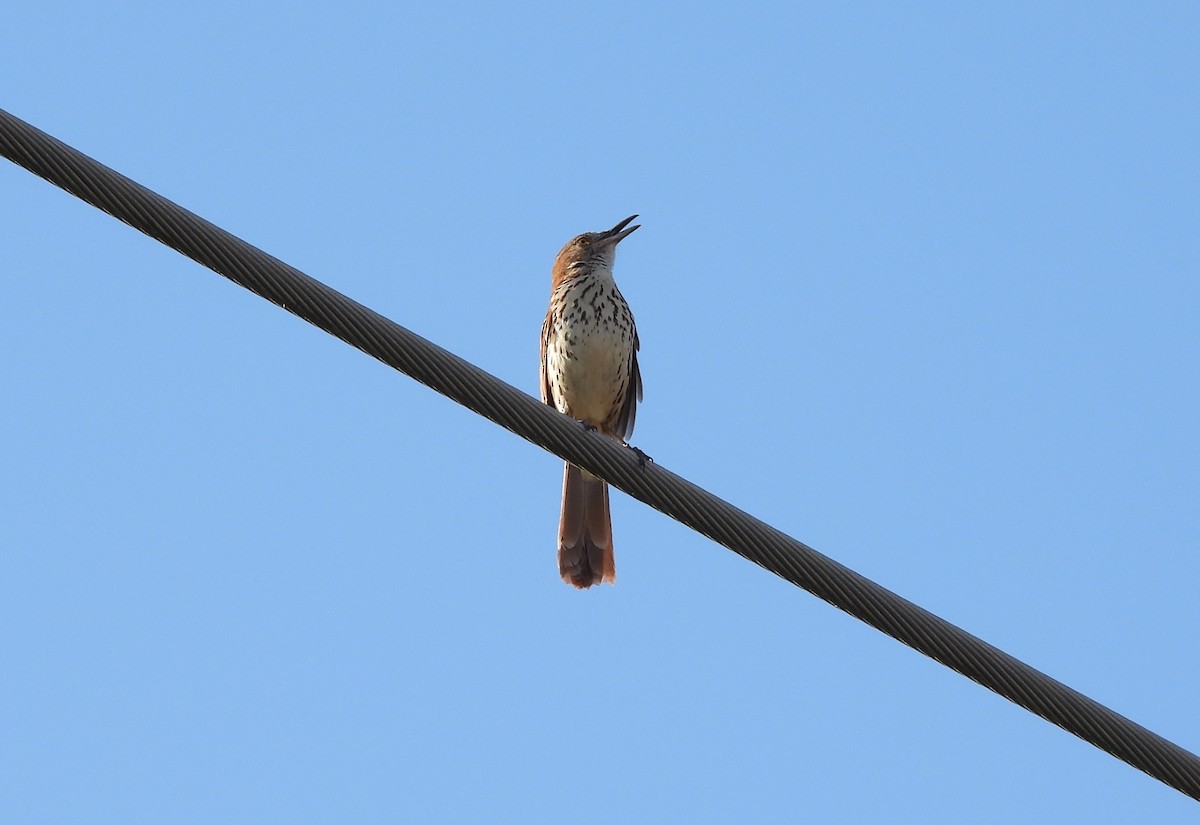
524 415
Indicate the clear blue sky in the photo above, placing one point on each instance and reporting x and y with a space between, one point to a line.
917 283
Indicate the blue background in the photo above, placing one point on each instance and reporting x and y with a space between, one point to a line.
916 283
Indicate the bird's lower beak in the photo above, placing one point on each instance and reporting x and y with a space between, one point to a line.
618 232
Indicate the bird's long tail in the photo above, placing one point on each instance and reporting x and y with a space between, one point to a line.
585 552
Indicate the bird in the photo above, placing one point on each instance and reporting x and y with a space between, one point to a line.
589 372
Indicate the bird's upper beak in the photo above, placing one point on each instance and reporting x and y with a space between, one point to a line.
614 236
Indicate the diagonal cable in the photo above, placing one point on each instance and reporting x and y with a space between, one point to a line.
678 498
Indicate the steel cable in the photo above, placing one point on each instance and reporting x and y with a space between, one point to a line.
527 417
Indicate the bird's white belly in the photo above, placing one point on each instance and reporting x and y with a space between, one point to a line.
588 373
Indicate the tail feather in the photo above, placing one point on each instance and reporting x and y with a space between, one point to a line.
585 552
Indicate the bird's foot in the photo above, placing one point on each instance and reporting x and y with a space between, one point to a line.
591 428
642 458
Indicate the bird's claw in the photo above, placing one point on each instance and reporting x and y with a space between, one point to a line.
642 458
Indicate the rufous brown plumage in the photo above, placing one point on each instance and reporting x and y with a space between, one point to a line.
589 372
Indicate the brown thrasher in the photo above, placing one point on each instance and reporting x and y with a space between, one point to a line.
589 372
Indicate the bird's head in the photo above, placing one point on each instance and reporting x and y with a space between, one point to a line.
591 249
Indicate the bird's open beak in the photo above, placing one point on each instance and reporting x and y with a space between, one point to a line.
618 232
